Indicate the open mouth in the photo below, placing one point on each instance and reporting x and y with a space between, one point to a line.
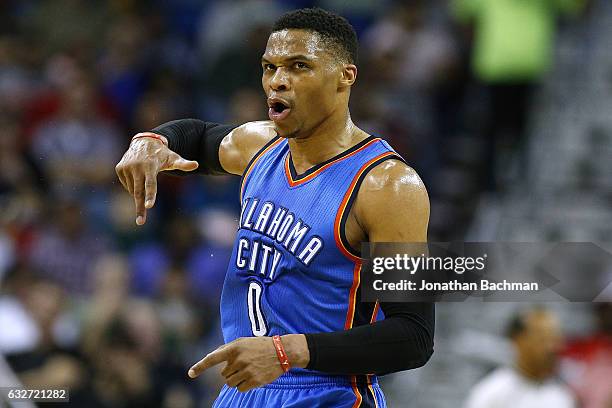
279 107
278 110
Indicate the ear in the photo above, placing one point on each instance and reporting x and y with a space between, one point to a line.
348 75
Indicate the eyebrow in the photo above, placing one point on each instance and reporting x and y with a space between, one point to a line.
291 58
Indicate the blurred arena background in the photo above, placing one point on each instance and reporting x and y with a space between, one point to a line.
504 110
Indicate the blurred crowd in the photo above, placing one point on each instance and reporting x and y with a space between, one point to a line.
118 312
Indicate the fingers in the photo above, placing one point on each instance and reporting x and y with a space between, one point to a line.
139 200
129 181
229 370
246 385
210 360
121 177
124 178
143 189
235 379
150 190
138 170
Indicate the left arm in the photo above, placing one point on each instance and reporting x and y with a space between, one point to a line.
392 206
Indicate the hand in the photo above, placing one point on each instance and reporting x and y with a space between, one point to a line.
139 167
252 361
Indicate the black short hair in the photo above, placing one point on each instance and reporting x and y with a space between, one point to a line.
332 27
518 323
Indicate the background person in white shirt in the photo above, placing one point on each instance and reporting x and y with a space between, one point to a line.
531 382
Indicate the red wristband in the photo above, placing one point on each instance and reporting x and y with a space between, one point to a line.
150 135
280 353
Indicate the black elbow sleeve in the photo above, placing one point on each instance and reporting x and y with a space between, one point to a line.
420 358
391 345
194 139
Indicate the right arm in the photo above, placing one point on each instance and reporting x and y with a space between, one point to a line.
190 144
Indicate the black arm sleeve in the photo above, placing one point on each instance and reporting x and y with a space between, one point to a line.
197 140
403 340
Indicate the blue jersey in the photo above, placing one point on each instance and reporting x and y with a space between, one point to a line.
292 269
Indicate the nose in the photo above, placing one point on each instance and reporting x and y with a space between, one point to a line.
280 80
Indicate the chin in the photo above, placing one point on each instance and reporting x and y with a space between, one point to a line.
285 132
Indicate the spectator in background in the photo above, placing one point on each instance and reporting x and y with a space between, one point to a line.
226 24
422 50
16 79
531 382
21 183
49 358
587 363
122 376
77 146
135 355
410 57
7 254
152 107
110 292
184 249
66 249
83 23
512 50
122 68
24 335
17 170
241 72
176 311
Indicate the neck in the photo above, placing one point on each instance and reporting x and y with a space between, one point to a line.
326 140
531 372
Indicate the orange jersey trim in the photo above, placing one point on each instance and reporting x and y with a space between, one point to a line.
369 376
293 183
358 396
373 394
344 203
375 312
350 313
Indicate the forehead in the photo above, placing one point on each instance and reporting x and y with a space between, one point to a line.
542 321
287 43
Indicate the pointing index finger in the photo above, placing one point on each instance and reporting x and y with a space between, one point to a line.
139 200
218 356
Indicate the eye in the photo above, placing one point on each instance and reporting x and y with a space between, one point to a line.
269 67
300 65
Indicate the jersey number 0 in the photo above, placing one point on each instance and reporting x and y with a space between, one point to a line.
258 323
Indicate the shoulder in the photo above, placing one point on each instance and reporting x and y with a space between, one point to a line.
498 378
560 392
393 178
260 128
393 186
242 143
392 203
492 388
251 134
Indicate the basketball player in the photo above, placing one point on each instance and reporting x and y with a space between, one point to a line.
314 186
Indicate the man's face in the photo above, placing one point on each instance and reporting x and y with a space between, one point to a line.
302 80
541 340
